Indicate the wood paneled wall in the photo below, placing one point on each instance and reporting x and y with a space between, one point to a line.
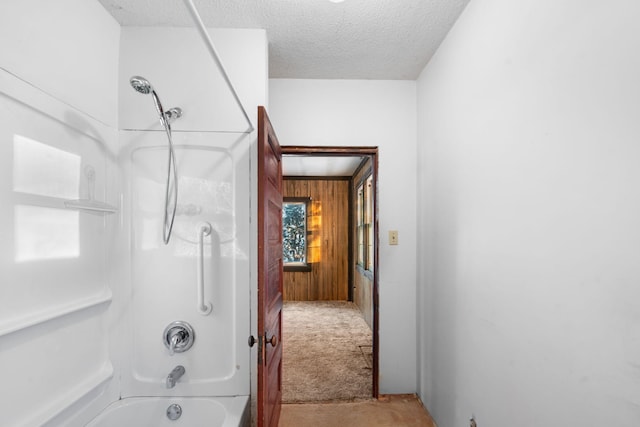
328 239
362 288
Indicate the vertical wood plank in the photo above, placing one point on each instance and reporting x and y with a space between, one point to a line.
329 277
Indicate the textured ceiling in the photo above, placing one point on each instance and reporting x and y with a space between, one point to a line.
356 39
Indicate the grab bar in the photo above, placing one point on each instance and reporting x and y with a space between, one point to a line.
204 308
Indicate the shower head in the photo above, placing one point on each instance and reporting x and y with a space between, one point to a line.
140 84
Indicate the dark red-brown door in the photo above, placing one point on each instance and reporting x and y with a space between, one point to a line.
269 273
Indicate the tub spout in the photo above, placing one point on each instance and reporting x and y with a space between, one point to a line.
174 376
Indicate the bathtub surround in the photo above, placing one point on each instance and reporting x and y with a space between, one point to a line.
57 302
214 182
84 297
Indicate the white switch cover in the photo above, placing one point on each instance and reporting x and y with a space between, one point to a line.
393 237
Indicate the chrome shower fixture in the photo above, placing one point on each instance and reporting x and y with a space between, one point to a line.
178 337
142 85
173 113
174 376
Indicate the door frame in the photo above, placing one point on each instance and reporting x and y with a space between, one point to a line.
350 151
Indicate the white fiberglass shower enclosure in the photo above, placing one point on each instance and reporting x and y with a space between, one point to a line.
90 292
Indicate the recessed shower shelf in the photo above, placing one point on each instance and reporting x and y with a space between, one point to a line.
52 313
91 206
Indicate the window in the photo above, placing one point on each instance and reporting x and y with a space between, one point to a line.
364 224
360 224
294 233
368 221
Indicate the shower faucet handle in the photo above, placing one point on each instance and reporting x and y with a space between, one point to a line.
178 337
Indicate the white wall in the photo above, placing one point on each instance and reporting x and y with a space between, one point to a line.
183 73
369 113
67 48
528 133
58 111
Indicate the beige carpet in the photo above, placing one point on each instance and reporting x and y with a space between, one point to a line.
326 352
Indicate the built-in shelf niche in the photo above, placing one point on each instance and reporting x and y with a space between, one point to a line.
91 206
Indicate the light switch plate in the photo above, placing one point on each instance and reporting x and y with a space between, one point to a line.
393 237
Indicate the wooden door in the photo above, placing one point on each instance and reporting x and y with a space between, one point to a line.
269 273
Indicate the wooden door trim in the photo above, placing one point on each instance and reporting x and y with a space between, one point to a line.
350 151
314 150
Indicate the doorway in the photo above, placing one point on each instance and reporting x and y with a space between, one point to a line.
348 176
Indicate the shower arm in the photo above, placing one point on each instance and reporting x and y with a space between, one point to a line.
212 50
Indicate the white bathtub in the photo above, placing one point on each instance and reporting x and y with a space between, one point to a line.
196 412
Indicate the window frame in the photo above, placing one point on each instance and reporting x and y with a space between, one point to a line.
365 233
298 266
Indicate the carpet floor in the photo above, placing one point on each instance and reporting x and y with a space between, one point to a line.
326 352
